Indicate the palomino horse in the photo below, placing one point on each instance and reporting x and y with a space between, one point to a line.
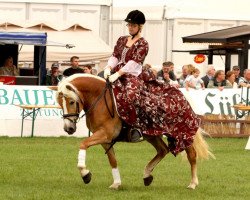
89 93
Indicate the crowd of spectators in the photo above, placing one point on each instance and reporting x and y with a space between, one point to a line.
189 77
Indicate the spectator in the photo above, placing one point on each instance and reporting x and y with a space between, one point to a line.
168 80
245 81
167 67
193 81
209 75
147 66
8 68
230 77
87 69
74 69
101 74
190 72
219 81
236 70
183 75
54 77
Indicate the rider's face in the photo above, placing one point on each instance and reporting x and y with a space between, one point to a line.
132 28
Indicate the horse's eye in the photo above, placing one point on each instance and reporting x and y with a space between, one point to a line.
71 102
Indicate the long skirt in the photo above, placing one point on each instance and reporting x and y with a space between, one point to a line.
156 109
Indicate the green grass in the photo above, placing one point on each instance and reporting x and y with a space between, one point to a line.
45 168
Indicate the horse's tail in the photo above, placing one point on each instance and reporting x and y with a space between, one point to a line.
201 147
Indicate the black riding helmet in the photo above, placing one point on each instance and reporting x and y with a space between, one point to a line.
135 17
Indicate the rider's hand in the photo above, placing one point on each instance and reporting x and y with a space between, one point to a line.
107 72
114 77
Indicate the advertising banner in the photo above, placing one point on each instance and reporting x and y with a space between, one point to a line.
49 121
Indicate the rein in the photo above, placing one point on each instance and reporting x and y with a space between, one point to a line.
107 87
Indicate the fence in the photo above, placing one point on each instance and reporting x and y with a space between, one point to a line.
226 125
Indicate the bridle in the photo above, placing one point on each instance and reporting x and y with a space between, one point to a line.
92 106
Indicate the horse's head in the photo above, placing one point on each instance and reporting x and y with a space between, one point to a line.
75 93
71 103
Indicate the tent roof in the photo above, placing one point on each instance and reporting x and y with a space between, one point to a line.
23 38
86 45
229 35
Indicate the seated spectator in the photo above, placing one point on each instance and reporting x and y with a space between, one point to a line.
87 69
74 69
146 67
219 81
190 71
193 81
8 68
167 67
54 77
245 81
184 75
230 77
168 80
101 74
236 70
209 75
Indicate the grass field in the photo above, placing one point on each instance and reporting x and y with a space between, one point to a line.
45 168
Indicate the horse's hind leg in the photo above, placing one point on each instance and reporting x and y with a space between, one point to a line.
113 163
191 155
162 150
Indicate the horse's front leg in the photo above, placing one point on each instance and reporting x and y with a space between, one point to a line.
113 163
97 138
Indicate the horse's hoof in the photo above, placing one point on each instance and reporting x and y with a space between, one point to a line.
115 186
192 186
87 178
148 180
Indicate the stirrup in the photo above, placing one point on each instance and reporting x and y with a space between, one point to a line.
135 135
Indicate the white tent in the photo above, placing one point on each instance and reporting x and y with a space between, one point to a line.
88 46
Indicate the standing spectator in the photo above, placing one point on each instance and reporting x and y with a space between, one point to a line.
8 68
167 68
236 70
54 77
74 69
193 81
230 77
209 75
245 81
219 81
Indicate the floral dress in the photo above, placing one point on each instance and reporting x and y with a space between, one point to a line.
144 103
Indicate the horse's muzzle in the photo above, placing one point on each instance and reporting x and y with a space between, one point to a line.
70 129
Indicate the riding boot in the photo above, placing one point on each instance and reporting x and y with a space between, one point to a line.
135 135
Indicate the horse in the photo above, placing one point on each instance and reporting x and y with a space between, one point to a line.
91 94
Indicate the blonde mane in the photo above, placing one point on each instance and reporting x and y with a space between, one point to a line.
67 81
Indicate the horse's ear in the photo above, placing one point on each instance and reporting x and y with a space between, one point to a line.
53 87
70 88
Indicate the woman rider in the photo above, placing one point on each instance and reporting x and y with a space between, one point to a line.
142 102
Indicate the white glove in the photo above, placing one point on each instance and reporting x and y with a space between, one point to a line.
107 72
114 77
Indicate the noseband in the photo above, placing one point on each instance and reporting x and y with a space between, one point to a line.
77 113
